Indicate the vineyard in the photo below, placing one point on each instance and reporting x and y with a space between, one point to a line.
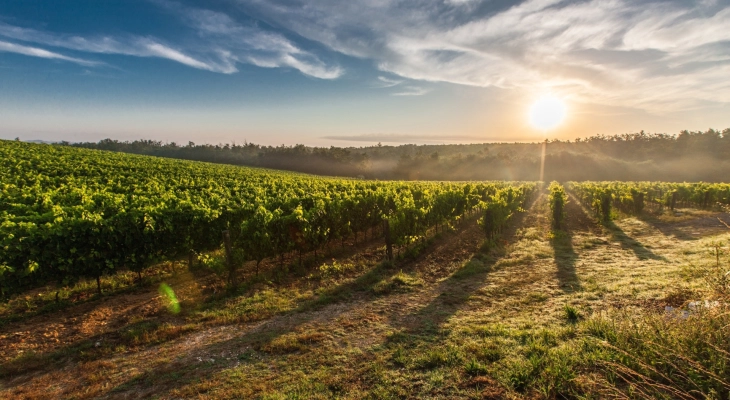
633 197
127 276
69 213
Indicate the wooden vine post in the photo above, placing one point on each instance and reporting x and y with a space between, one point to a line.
229 260
388 241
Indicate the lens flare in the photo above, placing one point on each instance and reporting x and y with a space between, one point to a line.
547 112
173 305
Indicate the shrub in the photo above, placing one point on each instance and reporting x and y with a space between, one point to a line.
606 199
637 198
558 200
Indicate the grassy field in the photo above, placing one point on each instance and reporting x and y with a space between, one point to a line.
580 312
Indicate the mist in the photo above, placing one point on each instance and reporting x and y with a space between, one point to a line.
688 156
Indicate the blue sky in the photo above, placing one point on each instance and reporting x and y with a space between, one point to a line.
330 72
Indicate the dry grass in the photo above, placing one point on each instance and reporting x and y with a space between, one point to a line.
457 321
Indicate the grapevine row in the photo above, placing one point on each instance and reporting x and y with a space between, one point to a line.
633 197
68 213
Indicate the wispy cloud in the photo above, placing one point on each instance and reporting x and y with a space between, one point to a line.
384 82
221 44
129 45
36 52
248 43
412 91
659 55
402 89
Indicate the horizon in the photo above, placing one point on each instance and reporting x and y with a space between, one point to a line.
382 143
353 75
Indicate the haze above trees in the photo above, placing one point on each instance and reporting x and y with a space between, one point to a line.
688 156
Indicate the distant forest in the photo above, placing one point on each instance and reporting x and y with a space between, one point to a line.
688 156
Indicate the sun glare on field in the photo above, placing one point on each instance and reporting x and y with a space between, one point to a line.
547 112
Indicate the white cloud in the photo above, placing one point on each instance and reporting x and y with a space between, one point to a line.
387 82
221 44
131 46
159 50
316 69
249 43
37 52
654 55
384 82
402 89
412 91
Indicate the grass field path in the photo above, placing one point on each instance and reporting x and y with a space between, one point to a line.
459 320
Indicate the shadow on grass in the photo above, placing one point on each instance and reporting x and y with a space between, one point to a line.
371 283
279 335
275 337
280 332
147 333
577 222
458 288
80 298
685 229
194 365
163 327
455 291
627 242
565 259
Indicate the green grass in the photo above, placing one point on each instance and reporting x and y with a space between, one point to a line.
571 313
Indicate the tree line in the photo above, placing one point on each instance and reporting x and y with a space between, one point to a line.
687 156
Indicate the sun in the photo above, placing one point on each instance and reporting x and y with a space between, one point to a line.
547 112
